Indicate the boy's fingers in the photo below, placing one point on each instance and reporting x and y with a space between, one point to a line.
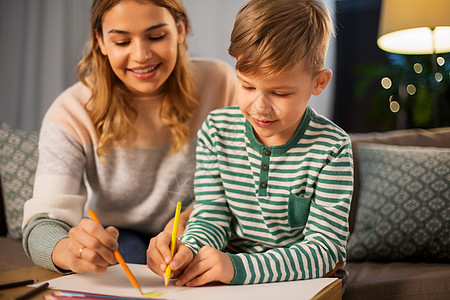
203 279
182 257
163 245
155 261
158 253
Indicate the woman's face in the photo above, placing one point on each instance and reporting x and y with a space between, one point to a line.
141 43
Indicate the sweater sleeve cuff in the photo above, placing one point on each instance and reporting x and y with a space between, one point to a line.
239 271
41 241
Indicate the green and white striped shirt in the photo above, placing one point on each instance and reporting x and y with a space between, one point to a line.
281 211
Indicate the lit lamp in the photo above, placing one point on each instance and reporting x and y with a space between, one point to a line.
416 27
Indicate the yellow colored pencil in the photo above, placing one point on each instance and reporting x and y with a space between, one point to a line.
120 259
174 240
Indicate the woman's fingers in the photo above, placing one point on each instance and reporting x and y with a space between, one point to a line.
97 243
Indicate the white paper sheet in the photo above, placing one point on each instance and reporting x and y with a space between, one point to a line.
115 282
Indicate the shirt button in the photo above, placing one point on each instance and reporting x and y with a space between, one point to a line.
265 167
267 152
263 185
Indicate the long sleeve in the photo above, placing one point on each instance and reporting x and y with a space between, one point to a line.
281 212
59 195
210 202
326 233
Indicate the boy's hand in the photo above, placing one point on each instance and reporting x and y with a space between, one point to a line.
159 255
184 217
208 265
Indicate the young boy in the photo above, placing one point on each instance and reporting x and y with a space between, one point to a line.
274 180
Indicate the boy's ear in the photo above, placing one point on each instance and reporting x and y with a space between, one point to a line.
321 82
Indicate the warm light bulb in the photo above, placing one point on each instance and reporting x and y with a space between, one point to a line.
416 41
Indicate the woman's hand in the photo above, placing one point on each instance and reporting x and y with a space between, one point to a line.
89 248
159 255
208 265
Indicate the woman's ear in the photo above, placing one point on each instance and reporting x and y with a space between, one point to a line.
321 82
101 44
181 27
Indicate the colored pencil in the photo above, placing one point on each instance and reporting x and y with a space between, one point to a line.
174 241
16 284
33 292
120 259
63 295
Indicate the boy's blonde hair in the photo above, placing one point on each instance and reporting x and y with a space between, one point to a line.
269 37
111 110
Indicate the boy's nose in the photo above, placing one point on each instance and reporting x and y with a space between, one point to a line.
261 103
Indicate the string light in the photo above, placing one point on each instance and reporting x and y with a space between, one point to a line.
418 68
394 106
411 89
386 83
440 61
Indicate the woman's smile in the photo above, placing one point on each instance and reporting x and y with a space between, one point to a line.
144 72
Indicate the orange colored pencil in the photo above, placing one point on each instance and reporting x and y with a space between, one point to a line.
120 259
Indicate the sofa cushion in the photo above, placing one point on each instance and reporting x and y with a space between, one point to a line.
434 137
397 280
18 161
3 229
403 211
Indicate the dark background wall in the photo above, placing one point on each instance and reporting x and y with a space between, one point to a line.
361 103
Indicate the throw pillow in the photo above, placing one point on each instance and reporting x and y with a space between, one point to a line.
18 161
404 206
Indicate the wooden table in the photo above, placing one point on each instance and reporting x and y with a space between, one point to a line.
331 292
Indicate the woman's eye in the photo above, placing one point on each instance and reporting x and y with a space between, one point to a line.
155 38
121 43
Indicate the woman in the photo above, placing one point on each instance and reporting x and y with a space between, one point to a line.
122 140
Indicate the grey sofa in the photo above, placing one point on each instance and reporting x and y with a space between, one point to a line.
18 160
380 268
422 275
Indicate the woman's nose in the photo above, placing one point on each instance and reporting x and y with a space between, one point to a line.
141 51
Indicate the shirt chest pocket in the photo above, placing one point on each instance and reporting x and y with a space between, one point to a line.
298 210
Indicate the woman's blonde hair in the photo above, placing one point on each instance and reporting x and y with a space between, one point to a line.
269 37
111 111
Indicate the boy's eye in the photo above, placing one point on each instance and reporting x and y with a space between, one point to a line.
248 88
280 94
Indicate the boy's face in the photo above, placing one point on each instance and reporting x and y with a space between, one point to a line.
275 106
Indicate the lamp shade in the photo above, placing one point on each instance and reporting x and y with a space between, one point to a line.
414 26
